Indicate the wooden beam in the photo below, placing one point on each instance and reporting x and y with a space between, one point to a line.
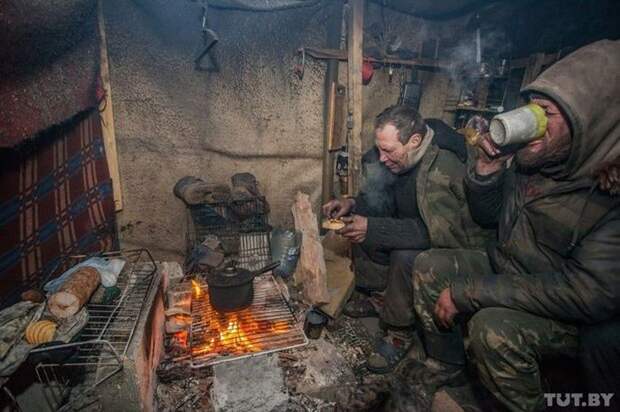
355 43
420 62
107 115
334 31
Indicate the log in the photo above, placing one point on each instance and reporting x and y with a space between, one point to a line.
311 271
74 293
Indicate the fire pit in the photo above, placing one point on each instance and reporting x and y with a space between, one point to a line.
267 325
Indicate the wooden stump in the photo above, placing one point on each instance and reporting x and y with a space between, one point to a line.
311 271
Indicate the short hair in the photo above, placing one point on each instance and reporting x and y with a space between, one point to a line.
405 119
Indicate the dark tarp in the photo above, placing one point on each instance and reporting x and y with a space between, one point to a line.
49 64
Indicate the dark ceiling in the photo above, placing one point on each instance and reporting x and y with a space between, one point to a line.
434 9
525 26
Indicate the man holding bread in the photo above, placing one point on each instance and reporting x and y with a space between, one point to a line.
412 199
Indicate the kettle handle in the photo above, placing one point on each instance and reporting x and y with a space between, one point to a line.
267 268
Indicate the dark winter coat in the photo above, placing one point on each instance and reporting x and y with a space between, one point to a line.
558 247
425 207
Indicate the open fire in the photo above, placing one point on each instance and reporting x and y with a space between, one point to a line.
266 325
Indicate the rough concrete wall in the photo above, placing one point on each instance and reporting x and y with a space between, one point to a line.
172 121
254 115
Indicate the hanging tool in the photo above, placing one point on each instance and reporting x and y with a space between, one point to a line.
342 170
210 39
300 67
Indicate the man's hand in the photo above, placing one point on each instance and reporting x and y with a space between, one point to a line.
609 177
337 208
445 310
355 229
490 158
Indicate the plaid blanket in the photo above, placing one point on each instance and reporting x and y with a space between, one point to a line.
55 201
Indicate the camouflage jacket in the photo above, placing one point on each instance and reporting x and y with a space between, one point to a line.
439 196
443 204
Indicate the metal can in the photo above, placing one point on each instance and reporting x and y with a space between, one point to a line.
520 125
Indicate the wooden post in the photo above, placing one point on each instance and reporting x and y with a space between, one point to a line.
107 116
355 40
331 80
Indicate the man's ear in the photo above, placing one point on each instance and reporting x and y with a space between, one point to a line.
415 139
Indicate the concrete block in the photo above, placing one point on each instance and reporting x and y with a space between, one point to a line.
253 384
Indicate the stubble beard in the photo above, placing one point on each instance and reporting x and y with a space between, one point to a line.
554 152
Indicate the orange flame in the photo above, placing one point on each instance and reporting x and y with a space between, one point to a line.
181 338
197 289
236 333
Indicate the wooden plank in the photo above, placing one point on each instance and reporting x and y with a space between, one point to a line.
311 270
334 31
331 115
107 114
339 135
327 177
355 60
342 55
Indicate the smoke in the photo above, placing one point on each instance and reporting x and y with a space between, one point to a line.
470 61
375 185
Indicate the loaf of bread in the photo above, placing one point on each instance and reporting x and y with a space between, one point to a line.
74 292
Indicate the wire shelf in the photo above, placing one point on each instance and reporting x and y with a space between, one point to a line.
101 346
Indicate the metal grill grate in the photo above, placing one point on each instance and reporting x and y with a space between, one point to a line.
267 325
254 251
99 349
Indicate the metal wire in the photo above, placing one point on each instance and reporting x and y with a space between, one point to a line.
103 343
267 325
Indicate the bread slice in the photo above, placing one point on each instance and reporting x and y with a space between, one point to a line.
332 224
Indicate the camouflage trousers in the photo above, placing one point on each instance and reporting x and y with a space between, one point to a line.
506 346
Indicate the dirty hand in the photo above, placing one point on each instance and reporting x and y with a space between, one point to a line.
609 178
445 309
490 159
355 228
337 208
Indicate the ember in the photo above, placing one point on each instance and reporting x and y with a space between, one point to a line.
266 325
197 290
228 332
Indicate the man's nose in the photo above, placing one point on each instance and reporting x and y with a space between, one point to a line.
382 157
